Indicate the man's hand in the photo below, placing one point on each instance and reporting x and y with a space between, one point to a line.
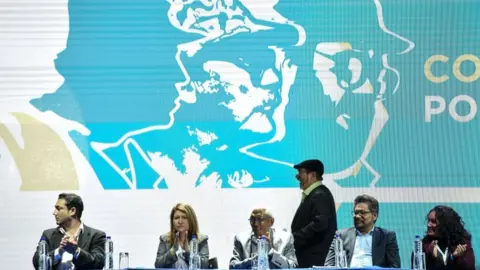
253 259
269 241
63 243
71 245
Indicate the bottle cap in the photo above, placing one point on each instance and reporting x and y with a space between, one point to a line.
194 237
109 237
43 238
417 236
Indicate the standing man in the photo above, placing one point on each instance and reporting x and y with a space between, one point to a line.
365 244
72 244
315 221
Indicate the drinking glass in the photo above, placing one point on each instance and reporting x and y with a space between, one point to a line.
123 260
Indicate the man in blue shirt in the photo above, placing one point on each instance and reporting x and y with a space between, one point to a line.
365 244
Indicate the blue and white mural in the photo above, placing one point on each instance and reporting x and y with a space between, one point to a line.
228 94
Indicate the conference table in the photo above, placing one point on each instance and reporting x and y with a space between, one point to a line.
331 268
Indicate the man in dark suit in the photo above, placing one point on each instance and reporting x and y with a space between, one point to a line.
366 245
72 243
315 221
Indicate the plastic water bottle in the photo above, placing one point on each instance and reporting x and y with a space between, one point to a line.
340 255
43 254
108 254
418 255
194 260
262 260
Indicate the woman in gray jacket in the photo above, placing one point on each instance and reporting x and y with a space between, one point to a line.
174 248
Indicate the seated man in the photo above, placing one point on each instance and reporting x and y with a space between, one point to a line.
73 245
281 251
365 244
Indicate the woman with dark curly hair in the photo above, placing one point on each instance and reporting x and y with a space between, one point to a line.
447 244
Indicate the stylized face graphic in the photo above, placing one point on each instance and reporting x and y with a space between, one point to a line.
251 96
247 102
355 83
344 76
244 71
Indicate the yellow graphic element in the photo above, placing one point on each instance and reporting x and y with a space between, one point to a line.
427 69
458 73
45 163
356 169
456 68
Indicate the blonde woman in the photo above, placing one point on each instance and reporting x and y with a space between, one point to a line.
174 248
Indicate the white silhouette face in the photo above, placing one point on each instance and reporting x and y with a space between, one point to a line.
251 98
248 103
353 83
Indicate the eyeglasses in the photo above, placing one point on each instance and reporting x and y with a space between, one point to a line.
259 220
360 212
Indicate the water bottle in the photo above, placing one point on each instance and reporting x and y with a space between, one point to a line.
194 260
418 255
340 255
262 251
43 254
108 254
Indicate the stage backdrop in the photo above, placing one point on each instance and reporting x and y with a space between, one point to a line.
139 104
